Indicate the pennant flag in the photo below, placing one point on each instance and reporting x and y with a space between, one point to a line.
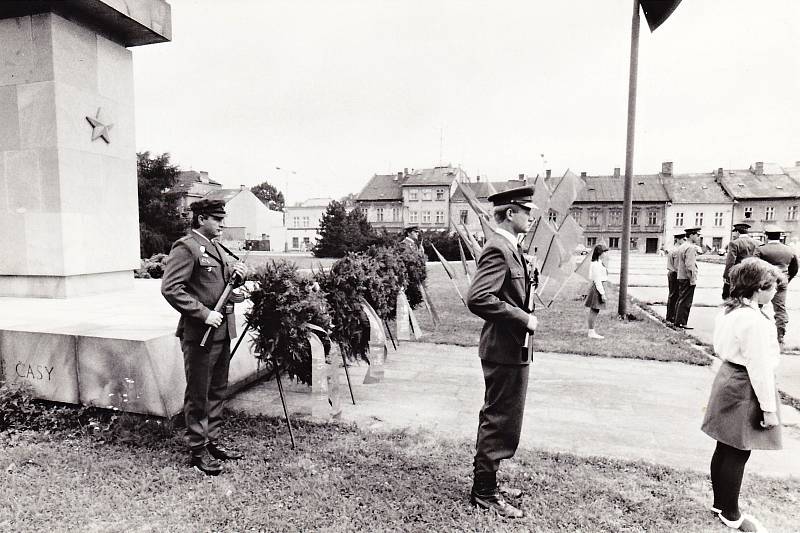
473 201
541 194
537 241
475 244
449 270
570 233
471 244
657 11
583 268
464 261
488 229
556 268
565 193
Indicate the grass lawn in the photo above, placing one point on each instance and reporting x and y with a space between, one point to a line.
562 327
343 479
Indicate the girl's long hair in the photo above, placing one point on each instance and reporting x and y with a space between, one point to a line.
599 249
747 278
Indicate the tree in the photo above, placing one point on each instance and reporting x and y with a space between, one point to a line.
332 232
359 233
160 224
269 195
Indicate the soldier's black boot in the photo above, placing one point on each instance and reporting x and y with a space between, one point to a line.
202 461
223 453
485 495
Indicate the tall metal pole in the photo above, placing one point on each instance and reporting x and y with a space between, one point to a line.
627 199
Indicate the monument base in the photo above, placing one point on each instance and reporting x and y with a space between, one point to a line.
113 350
65 286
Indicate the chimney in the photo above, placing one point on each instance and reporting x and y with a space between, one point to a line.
759 168
521 176
241 187
616 172
583 174
405 171
477 179
399 175
719 172
547 172
666 169
797 163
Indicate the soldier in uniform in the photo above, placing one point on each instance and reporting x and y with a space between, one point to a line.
672 277
686 273
196 274
782 256
411 239
498 295
740 248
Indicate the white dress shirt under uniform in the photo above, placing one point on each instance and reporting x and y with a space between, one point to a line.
597 275
746 337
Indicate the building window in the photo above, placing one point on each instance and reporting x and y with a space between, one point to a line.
306 222
652 217
439 195
463 216
698 219
413 217
635 217
295 222
552 217
716 243
426 217
748 212
591 241
440 217
613 242
295 242
576 214
593 217
412 196
717 220
615 217
634 243
679 220
769 213
426 195
791 214
379 214
395 214
306 242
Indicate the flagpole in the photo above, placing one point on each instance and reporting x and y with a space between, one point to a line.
627 198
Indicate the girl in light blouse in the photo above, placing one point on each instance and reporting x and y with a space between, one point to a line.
742 412
596 299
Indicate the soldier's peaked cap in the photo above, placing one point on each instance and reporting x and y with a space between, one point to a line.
742 224
409 229
691 231
680 235
521 196
206 207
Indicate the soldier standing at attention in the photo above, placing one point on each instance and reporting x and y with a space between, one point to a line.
782 256
411 240
672 277
740 248
686 264
498 295
195 277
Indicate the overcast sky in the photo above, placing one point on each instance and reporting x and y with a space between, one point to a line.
335 91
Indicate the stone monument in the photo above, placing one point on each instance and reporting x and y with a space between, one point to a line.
74 325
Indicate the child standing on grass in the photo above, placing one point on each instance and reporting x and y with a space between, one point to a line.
742 413
596 299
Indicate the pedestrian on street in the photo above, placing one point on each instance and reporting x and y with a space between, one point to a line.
742 413
740 248
499 295
686 273
672 277
196 274
596 297
781 256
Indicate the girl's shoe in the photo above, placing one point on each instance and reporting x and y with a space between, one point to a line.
745 523
594 335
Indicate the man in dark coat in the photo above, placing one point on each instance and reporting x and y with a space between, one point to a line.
686 268
499 295
672 277
411 240
782 256
740 248
196 274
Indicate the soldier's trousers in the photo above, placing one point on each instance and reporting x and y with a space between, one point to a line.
206 384
500 419
684 303
779 306
672 295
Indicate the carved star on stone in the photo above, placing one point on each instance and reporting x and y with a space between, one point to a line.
99 130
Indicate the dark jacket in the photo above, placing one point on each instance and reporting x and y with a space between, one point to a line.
497 295
195 275
739 249
780 255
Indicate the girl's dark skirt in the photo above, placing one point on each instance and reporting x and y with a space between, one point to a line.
593 299
733 415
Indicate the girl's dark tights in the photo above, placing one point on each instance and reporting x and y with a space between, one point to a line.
727 470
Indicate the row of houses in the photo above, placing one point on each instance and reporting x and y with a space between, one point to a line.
664 203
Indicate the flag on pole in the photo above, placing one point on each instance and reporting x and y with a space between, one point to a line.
464 261
472 245
583 268
565 193
487 228
472 200
657 11
451 274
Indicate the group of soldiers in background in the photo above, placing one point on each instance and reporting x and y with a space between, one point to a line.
682 270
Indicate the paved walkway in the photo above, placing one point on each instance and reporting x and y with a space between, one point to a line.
621 408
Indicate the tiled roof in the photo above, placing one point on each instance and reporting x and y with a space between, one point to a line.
745 184
382 187
193 176
432 176
646 188
695 189
226 195
482 190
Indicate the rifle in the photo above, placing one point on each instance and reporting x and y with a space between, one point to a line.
223 299
533 277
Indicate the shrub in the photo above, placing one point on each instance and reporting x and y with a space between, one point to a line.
416 273
152 267
446 243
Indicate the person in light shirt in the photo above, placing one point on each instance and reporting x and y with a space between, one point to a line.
742 413
596 298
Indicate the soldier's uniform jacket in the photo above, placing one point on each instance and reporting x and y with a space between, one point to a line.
195 276
739 249
672 260
685 262
780 255
498 295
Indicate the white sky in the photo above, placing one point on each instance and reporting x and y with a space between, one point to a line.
336 91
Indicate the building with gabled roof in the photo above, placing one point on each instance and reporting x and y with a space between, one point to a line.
303 222
381 199
248 219
192 185
426 197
